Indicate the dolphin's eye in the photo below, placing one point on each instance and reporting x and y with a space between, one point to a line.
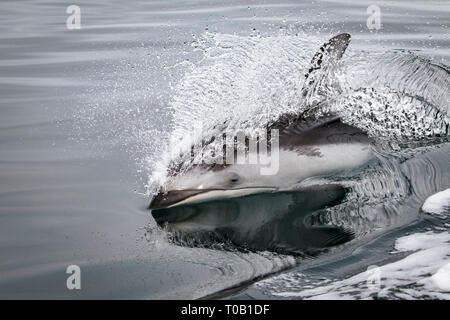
234 177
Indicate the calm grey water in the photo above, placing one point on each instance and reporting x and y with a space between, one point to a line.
84 115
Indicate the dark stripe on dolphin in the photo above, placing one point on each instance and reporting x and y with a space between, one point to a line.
304 134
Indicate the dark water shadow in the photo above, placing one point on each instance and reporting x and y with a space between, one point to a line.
282 222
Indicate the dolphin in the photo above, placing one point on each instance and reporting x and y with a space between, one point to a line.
304 152
310 146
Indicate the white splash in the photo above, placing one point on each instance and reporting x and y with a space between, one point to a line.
424 274
438 204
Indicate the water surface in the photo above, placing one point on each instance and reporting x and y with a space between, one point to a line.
85 114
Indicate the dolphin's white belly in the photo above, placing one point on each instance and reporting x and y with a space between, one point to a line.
295 167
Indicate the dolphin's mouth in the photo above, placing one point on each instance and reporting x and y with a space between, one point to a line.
168 199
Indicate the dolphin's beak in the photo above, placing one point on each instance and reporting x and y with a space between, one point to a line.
169 198
173 198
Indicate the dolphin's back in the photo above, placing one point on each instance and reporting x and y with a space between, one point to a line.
306 129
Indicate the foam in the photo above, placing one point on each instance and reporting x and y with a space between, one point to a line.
438 204
424 274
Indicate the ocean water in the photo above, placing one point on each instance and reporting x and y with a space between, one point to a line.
87 115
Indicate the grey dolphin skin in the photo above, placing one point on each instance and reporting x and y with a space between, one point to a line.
252 209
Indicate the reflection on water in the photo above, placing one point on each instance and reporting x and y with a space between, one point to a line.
269 221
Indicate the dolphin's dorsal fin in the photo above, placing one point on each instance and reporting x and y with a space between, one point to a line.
328 53
332 50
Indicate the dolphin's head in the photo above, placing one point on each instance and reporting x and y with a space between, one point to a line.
204 183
